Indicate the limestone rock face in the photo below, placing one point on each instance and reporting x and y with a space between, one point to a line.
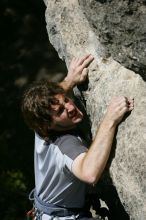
121 27
71 33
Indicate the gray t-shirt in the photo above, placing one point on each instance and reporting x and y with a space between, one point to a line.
54 180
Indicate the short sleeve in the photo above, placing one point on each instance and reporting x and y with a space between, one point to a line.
71 146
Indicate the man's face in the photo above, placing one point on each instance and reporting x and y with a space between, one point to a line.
65 114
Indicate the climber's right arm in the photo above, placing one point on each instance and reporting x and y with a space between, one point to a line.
77 72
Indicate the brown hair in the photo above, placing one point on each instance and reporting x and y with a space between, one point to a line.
36 105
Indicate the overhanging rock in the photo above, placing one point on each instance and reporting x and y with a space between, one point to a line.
72 35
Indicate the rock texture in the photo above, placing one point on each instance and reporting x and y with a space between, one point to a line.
71 33
121 27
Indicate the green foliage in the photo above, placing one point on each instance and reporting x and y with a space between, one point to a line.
14 195
13 181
